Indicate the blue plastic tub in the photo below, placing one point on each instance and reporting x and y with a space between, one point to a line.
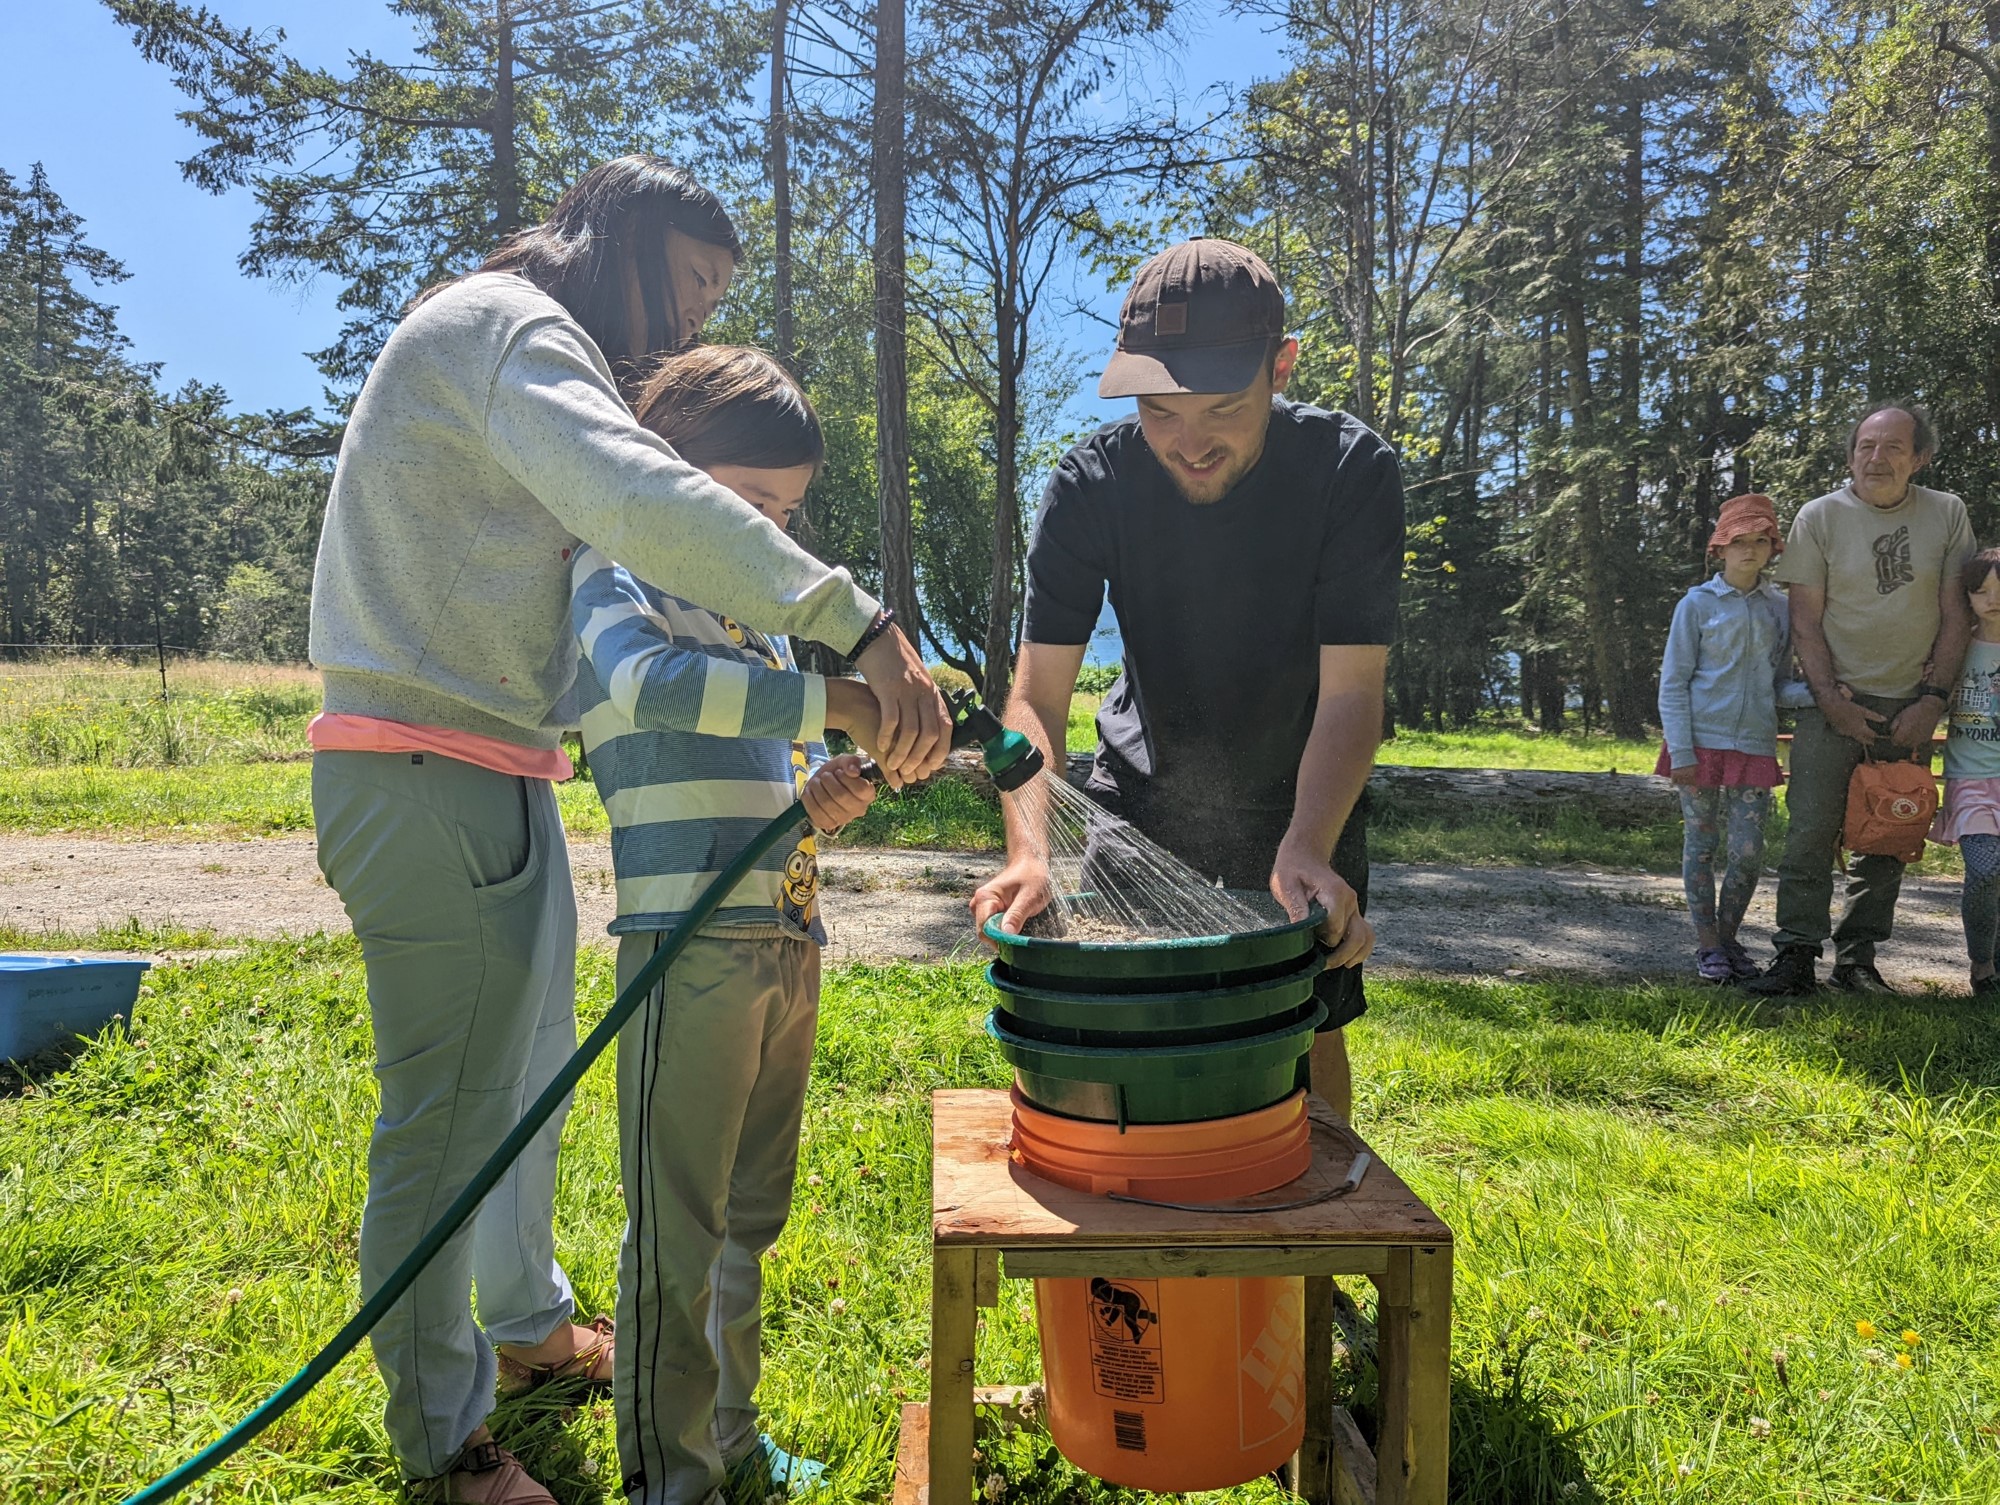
49 1000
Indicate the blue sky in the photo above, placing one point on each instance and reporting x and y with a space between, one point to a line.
76 96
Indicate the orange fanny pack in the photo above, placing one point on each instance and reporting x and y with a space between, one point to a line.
1889 809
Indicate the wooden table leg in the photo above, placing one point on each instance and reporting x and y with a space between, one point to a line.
954 1324
1312 1469
1392 1368
1429 1407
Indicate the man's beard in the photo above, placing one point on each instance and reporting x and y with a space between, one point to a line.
1213 490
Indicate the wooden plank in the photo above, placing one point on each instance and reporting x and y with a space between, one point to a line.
1392 1364
986 1277
1312 1465
1428 1456
980 1196
913 1462
1008 1407
1354 1479
1071 1259
954 1328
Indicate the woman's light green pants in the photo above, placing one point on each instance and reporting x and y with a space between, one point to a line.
457 882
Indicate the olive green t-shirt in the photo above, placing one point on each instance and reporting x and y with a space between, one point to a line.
1881 569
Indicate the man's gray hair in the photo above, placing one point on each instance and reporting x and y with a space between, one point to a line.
1920 418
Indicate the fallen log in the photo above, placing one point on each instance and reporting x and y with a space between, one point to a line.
1617 801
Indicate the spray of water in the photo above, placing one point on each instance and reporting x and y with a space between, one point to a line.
1109 883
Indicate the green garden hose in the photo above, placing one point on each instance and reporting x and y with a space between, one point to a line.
455 1216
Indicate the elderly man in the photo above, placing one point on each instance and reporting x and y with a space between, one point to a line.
1880 623
1253 551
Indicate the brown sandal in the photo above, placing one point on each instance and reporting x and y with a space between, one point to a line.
590 1366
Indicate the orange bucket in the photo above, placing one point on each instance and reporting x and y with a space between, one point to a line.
1184 1384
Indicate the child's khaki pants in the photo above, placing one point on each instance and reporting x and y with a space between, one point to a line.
711 1086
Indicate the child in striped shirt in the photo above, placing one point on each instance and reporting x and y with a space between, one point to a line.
699 730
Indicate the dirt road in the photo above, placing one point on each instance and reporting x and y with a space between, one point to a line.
911 904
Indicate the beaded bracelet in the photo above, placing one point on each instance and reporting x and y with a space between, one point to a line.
876 628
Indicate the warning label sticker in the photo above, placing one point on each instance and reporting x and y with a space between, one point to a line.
1127 1355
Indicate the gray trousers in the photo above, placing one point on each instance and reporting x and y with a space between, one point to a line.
457 882
1816 807
711 1088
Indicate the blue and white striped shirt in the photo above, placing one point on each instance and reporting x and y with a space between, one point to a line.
698 732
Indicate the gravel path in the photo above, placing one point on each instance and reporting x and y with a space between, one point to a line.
911 904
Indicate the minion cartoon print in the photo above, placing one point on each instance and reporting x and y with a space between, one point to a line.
798 895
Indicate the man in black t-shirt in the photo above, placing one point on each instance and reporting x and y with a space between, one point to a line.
1253 550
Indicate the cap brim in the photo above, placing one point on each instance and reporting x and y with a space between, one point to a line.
1209 369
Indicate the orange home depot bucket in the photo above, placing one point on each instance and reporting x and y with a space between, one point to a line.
1183 1384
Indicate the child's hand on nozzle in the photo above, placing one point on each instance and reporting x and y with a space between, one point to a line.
838 792
851 707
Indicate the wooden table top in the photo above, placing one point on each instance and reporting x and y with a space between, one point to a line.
980 1196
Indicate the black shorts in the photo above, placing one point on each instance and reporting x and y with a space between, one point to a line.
1240 851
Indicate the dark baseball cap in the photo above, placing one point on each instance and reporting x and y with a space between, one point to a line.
1199 318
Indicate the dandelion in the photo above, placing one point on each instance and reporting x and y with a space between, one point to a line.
1864 1329
1759 1427
234 1295
1910 1338
1904 1361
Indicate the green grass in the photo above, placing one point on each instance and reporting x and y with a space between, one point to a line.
1489 747
1671 1210
88 747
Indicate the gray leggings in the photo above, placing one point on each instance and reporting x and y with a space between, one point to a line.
1704 812
1980 905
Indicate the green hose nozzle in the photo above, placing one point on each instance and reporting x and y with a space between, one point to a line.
1009 756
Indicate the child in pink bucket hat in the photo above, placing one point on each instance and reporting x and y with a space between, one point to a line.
1727 669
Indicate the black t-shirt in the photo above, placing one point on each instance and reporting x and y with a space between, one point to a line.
1223 609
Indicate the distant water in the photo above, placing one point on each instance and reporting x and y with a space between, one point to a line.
1105 646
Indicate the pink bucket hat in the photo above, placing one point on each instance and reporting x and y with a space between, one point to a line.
1743 516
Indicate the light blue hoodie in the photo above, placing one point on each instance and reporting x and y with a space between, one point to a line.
1727 670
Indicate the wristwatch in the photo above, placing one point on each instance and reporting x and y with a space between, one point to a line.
1938 690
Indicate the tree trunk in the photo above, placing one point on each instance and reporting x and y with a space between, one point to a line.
892 379
506 164
999 648
781 188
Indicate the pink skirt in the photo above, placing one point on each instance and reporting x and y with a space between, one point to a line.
1970 807
1726 769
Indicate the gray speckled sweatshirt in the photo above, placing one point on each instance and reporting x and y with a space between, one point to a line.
488 440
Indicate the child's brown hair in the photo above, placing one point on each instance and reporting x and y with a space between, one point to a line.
1975 570
731 405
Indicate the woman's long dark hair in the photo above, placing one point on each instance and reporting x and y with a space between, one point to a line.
731 405
615 213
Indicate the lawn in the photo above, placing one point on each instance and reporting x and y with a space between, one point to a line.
1675 1215
90 747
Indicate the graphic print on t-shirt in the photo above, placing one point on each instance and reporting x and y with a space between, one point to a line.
800 889
1973 707
1893 569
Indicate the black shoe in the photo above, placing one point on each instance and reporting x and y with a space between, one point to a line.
1858 977
1793 973
1981 986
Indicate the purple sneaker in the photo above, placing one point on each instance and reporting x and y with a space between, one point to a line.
1740 965
1711 964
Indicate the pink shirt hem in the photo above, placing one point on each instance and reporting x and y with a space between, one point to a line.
334 732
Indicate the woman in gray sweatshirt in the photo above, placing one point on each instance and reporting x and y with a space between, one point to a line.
489 442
